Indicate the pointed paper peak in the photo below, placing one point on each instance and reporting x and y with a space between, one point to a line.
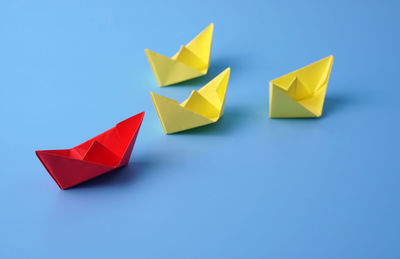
215 90
43 157
210 26
159 98
46 159
131 124
56 152
194 92
221 88
200 105
218 84
219 79
154 95
313 75
40 153
226 72
128 128
322 67
136 118
327 62
297 90
100 154
187 57
201 44
139 115
147 51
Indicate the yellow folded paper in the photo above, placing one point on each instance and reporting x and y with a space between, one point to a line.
189 62
300 94
201 108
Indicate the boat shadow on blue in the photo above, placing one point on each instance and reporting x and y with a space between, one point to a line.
335 104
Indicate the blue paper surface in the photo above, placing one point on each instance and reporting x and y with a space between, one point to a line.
245 187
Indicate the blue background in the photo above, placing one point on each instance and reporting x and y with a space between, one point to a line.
246 187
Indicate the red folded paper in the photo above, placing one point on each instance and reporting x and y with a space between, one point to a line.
101 154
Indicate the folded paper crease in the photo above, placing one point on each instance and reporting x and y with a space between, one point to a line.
189 62
99 155
301 93
201 108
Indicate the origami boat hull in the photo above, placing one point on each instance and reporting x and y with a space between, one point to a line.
202 107
301 93
189 62
168 71
101 154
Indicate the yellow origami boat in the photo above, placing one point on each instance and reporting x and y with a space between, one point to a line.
300 94
191 61
202 107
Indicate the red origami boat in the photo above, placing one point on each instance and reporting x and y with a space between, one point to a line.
101 154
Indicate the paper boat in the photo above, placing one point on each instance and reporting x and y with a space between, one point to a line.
104 153
300 94
201 108
191 61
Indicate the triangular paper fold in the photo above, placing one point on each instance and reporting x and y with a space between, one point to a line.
301 93
201 108
101 154
189 62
